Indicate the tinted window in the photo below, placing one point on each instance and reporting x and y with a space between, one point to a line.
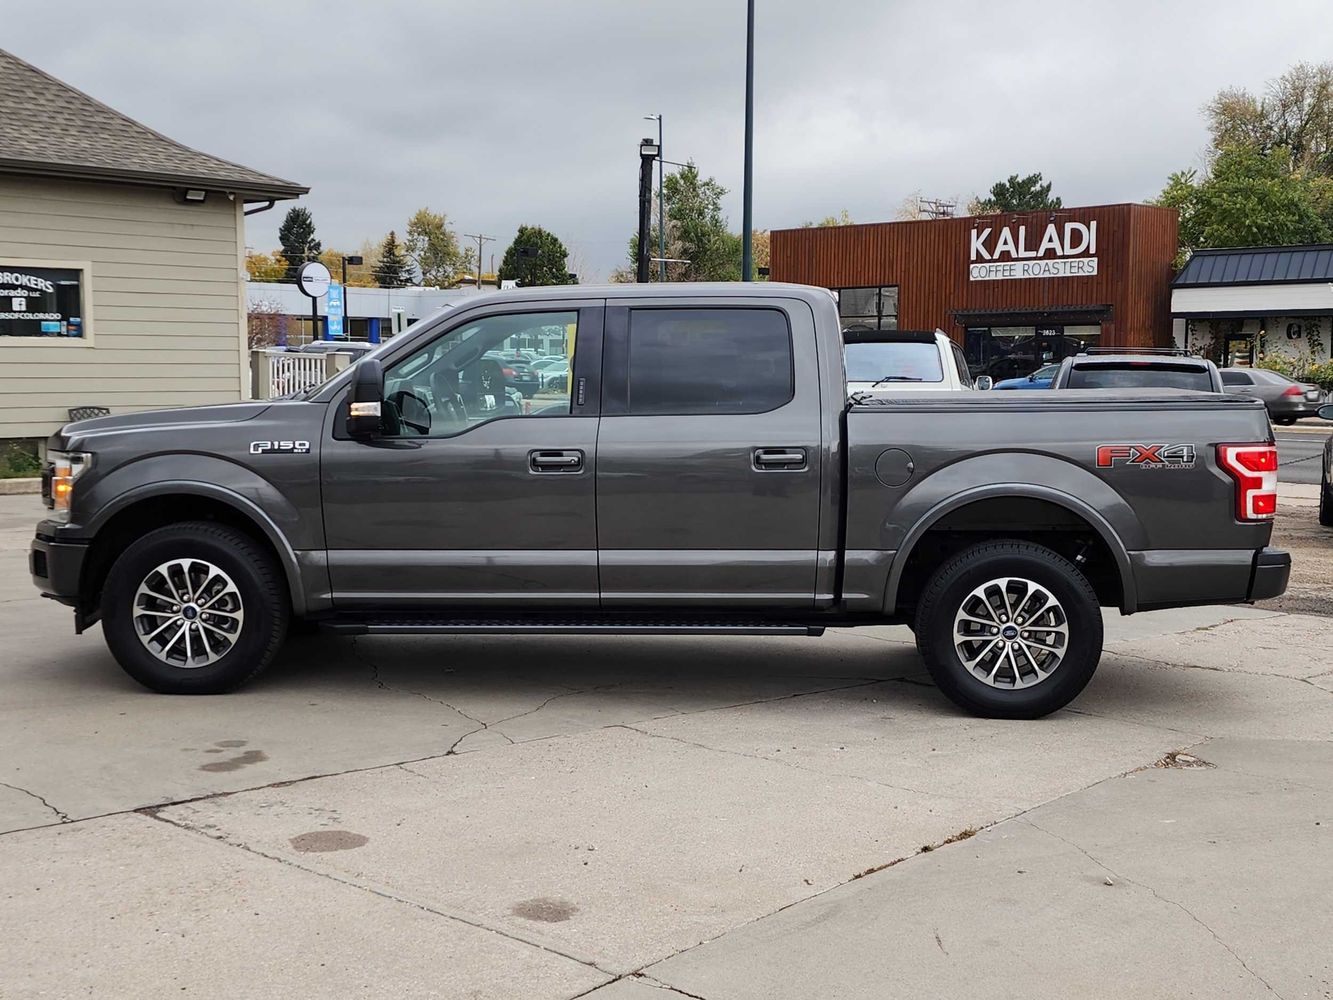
1123 376
960 362
911 361
1236 378
684 361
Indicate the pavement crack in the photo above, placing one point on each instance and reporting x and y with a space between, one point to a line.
62 816
219 837
787 763
657 984
1224 670
1160 897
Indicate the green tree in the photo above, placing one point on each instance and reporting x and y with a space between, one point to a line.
433 247
393 269
299 243
1249 198
536 257
1017 194
697 232
1294 114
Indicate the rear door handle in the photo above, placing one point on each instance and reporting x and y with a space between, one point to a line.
790 459
555 461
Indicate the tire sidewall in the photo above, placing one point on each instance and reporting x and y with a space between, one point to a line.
262 615
1061 578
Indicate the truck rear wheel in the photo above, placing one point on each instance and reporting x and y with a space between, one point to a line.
1009 630
194 608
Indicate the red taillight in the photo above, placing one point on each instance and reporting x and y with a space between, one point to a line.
507 372
1294 390
1254 468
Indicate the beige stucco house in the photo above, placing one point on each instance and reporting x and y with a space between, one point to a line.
122 270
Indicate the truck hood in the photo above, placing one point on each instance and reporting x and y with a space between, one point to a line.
72 435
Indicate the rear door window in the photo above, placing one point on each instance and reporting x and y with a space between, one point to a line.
1236 378
708 361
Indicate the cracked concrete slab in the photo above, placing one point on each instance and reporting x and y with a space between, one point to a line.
906 735
1122 887
1287 645
20 809
655 845
1203 702
131 907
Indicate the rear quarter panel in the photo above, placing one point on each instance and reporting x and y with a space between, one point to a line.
968 446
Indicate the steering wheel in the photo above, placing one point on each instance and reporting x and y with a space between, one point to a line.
412 410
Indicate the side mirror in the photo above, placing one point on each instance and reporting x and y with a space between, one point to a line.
984 382
1325 412
363 414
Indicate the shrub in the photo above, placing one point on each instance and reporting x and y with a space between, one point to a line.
18 460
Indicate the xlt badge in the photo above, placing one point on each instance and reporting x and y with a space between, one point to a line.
279 447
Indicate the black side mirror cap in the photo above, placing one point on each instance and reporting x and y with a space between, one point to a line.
363 414
1326 411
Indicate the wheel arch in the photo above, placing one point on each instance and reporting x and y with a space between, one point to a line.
157 504
958 502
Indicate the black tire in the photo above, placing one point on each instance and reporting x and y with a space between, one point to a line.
950 586
257 578
1326 504
1284 421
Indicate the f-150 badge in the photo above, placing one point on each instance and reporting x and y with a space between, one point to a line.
279 447
1146 456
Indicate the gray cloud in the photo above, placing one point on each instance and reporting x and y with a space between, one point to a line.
529 111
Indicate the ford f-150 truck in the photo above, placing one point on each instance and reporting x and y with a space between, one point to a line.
702 472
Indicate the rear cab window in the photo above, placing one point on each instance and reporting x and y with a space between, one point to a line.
1129 375
904 361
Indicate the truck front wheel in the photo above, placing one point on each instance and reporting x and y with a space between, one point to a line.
1009 630
194 608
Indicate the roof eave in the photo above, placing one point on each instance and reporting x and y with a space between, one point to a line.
249 189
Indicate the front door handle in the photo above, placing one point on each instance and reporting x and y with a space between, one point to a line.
555 461
790 459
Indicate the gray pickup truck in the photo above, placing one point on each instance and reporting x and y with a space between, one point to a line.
700 471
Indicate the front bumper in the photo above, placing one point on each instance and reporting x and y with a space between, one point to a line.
57 568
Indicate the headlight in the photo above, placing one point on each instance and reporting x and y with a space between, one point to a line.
66 467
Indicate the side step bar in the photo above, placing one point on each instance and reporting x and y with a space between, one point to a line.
464 626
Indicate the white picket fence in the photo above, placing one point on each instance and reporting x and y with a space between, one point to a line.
275 372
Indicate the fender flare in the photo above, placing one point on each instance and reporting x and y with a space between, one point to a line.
1129 592
286 555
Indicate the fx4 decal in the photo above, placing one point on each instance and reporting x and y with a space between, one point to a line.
1146 456
279 447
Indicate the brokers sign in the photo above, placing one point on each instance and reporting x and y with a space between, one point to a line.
1067 250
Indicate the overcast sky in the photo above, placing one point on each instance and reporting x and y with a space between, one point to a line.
529 111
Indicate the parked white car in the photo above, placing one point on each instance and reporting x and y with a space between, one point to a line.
888 362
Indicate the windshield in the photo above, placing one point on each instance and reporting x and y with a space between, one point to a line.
1136 376
907 361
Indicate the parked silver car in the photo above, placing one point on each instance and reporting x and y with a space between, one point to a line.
1287 400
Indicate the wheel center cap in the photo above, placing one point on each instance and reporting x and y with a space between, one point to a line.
189 612
1009 632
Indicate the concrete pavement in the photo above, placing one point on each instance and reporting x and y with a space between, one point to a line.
544 817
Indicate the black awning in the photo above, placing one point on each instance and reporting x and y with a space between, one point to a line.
1033 316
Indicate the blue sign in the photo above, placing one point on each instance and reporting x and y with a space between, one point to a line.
334 303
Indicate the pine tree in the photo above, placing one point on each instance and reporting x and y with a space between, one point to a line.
393 270
536 257
297 236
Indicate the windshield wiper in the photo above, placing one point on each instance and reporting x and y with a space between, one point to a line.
896 378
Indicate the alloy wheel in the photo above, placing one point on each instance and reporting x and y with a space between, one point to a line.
1011 633
188 613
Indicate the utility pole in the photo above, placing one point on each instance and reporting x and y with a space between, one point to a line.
661 211
747 203
481 239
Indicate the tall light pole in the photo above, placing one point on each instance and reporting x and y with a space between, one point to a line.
661 212
747 197
480 240
648 154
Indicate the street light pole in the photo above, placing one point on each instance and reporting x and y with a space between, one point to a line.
648 153
661 211
747 203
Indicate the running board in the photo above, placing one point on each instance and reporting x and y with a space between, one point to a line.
561 626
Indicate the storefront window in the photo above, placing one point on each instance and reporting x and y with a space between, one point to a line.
1013 351
869 308
41 301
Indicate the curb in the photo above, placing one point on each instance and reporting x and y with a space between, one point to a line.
14 487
